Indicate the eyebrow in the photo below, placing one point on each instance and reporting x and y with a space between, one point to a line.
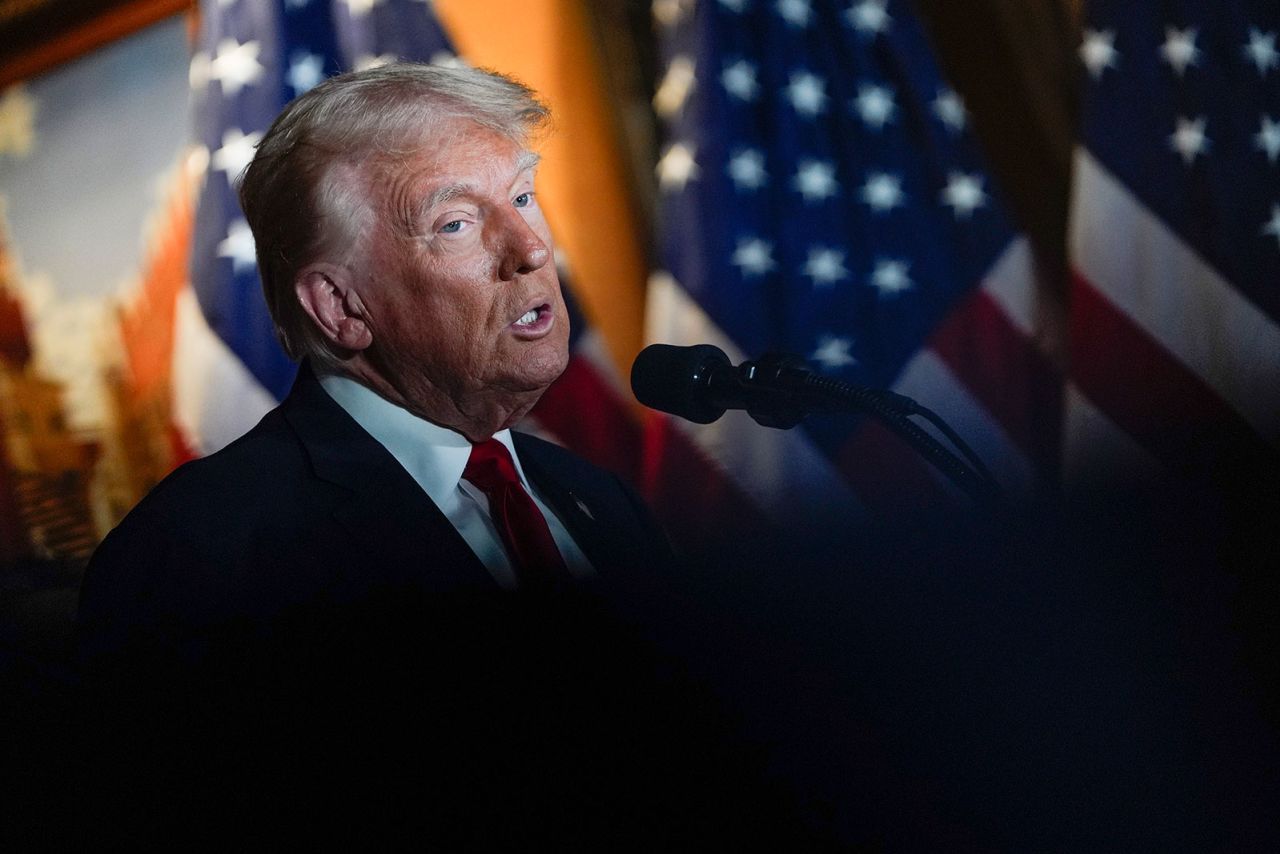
528 160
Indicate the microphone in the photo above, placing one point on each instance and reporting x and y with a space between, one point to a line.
698 383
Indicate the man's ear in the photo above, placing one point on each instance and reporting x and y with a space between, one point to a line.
325 293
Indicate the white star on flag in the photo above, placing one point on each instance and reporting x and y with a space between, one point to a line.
306 70
890 276
235 153
754 256
874 105
1189 139
883 192
360 8
669 12
816 180
1272 226
365 61
825 266
677 167
1261 51
746 168
236 65
964 194
1268 139
739 80
869 17
1179 49
445 59
238 246
734 5
674 90
949 108
797 13
1098 51
806 93
833 352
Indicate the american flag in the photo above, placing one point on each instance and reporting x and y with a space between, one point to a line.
252 59
822 194
1175 245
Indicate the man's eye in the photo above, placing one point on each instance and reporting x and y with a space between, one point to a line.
451 227
524 200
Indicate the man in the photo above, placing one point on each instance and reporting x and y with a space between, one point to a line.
380 601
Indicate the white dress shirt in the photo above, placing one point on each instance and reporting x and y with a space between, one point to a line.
435 458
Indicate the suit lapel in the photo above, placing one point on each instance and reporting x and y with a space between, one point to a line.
584 514
378 502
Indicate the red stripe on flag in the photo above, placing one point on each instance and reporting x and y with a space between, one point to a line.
697 503
586 414
1157 400
1005 372
889 476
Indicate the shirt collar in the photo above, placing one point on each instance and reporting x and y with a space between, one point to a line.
433 455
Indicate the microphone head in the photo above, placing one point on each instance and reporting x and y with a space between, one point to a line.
675 380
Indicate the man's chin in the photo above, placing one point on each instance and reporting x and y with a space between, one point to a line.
544 375
532 376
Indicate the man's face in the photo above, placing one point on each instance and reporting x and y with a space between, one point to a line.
460 285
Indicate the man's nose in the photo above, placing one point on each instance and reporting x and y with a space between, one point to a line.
522 251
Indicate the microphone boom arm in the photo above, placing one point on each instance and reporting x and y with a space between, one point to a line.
801 391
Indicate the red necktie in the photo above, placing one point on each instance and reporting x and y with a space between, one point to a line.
519 522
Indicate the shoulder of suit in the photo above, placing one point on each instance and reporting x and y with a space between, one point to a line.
247 471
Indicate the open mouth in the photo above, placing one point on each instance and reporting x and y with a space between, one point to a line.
531 316
535 320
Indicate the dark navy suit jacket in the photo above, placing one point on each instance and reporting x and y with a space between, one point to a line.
290 627
307 508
